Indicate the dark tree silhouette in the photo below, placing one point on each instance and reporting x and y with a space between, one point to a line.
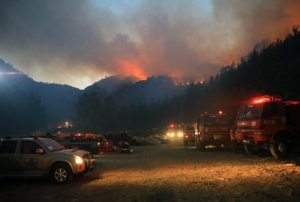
20 113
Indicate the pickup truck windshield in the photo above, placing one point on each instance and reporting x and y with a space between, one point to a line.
51 145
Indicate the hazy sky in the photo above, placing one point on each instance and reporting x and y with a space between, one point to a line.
78 42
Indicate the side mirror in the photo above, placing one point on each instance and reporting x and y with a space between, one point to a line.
39 151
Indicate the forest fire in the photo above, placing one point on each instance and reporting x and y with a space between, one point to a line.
132 68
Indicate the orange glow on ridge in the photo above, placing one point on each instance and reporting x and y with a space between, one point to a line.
132 68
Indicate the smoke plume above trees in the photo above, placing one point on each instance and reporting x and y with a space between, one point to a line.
78 42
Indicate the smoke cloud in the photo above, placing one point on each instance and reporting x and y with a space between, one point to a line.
79 42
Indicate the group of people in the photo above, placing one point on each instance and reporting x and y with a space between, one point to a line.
121 140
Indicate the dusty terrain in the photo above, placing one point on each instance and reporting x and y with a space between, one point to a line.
170 172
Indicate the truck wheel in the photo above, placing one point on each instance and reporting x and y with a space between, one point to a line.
185 143
280 148
251 149
296 150
61 174
197 145
95 151
227 146
201 146
233 145
218 145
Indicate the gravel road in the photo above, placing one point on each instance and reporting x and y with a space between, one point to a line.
169 172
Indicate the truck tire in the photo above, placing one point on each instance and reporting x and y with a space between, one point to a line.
296 150
185 143
280 148
251 149
233 146
61 174
226 146
218 145
202 146
197 145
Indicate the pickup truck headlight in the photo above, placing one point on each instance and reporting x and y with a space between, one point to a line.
78 160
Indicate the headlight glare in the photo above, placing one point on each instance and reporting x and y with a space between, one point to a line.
78 160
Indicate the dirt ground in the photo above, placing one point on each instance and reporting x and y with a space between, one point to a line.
170 172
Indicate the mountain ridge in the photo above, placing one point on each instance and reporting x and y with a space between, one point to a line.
59 99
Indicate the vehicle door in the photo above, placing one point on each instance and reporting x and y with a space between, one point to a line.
29 162
83 143
272 118
7 157
75 141
201 125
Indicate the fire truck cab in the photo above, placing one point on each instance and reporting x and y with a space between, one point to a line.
174 131
212 129
268 123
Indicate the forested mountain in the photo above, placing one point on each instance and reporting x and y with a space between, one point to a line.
58 101
20 112
111 84
114 104
273 70
130 90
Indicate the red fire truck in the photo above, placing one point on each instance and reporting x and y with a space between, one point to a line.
212 129
188 132
174 131
268 123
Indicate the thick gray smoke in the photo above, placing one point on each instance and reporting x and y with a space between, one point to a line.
79 42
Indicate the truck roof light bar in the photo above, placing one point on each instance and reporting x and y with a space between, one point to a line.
266 98
292 102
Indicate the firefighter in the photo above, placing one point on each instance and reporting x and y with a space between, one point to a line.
123 144
122 141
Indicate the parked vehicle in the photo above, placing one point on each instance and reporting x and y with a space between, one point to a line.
174 131
90 142
37 157
188 132
212 129
268 123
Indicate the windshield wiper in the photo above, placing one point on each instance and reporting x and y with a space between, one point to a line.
58 149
